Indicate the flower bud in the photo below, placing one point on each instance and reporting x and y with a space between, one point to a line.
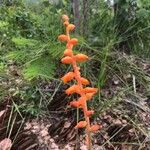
66 23
81 124
74 104
84 81
94 128
68 77
73 41
73 89
89 113
62 37
68 52
89 95
90 90
65 18
82 101
67 60
81 57
71 27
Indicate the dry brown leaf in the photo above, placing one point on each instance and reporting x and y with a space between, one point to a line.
67 124
2 113
5 144
117 122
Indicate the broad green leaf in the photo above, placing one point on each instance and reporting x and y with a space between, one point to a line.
43 66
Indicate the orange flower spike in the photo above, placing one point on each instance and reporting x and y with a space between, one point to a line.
89 113
90 90
81 57
81 124
62 37
71 27
73 41
68 77
68 52
95 128
67 60
85 93
84 81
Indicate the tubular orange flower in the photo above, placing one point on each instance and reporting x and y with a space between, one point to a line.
89 95
90 90
84 81
71 27
67 60
73 41
65 18
68 52
81 101
62 37
81 124
94 128
74 103
69 46
66 23
81 57
68 77
73 89
89 112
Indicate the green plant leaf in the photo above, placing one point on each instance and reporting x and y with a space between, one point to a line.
3 24
42 66
24 42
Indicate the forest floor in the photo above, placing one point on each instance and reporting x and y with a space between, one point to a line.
124 115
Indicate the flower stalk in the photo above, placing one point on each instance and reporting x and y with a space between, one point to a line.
86 93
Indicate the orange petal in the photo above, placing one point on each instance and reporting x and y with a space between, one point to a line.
74 104
68 77
81 57
73 41
68 52
65 18
89 113
62 37
73 89
89 95
71 27
67 60
94 128
66 23
90 90
81 124
81 101
84 81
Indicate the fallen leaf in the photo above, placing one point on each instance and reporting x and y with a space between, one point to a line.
2 113
117 122
5 144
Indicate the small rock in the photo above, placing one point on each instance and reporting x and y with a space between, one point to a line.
51 140
67 124
117 122
53 145
83 147
124 121
44 133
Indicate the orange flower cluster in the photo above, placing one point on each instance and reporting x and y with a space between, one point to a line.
86 93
